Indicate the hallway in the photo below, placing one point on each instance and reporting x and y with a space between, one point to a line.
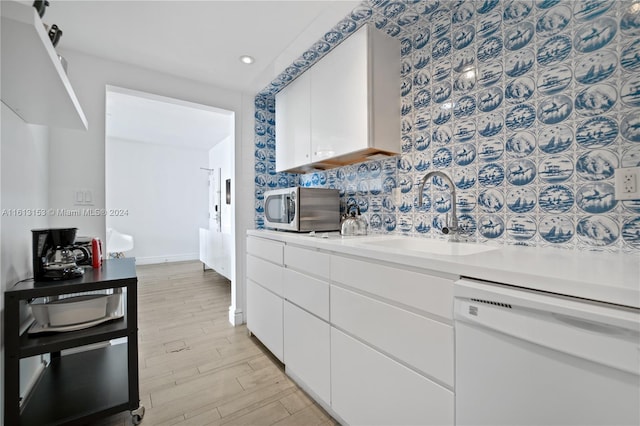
196 369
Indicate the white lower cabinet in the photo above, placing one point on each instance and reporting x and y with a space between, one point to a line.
420 342
372 342
306 350
265 273
264 317
306 316
368 388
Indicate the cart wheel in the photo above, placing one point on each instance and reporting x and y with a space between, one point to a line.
137 415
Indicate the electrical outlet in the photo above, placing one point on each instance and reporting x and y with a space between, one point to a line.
627 183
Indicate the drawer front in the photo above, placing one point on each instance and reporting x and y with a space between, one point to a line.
423 343
266 274
307 292
310 262
424 292
368 388
264 318
273 251
306 350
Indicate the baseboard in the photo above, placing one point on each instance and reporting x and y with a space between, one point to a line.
236 317
149 260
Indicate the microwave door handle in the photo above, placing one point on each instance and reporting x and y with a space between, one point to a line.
291 210
285 209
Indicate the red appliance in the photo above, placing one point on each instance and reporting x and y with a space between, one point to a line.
96 252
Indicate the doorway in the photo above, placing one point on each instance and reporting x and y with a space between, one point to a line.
158 155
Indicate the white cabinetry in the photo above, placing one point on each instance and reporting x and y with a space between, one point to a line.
343 109
293 103
264 317
371 342
215 251
306 315
34 84
428 293
423 343
264 292
369 388
340 101
306 351
391 339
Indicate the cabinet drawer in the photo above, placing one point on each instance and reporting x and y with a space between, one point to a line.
266 249
368 388
423 343
310 262
264 318
425 292
266 274
306 350
307 292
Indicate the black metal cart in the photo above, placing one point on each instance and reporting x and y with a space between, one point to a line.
80 387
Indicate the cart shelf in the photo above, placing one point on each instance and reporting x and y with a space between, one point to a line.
76 388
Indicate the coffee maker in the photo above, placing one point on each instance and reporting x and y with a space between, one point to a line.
53 254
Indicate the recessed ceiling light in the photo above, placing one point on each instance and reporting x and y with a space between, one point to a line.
246 59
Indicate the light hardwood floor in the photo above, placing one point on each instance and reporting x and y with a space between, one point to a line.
196 369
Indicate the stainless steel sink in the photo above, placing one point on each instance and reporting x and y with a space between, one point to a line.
431 246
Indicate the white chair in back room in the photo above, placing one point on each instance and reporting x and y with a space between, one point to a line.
118 243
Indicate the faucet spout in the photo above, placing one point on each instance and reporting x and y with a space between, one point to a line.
453 228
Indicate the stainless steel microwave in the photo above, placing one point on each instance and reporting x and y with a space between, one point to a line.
302 209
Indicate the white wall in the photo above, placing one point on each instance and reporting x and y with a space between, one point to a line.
80 155
221 157
162 195
23 155
89 77
217 242
244 195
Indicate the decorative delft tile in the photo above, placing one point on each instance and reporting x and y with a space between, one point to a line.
556 229
529 105
491 226
489 24
521 199
361 13
597 231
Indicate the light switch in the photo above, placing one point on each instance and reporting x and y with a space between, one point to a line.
79 197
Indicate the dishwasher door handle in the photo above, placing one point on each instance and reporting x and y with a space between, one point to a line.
618 348
627 318
594 327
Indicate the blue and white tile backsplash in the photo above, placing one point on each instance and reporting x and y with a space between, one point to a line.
528 105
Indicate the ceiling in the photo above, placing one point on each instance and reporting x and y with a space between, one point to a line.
163 121
198 40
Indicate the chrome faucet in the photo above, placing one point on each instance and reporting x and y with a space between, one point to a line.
447 229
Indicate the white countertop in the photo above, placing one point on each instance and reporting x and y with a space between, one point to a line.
605 277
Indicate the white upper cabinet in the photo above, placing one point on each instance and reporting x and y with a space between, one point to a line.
346 107
34 84
340 101
293 103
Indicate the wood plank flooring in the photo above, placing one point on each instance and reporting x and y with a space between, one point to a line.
196 369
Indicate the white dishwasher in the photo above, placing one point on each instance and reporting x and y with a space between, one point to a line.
524 357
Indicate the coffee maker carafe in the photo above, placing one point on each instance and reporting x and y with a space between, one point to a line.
53 254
